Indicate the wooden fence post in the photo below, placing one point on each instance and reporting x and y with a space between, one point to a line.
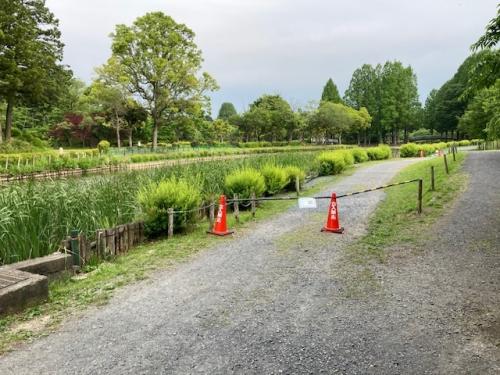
297 185
454 151
75 247
433 187
446 164
254 204
211 215
236 208
420 193
170 228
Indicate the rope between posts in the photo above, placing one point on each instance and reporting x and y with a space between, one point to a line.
247 202
193 210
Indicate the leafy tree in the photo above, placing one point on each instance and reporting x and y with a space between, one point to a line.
482 117
269 118
429 120
361 122
364 91
30 55
134 116
159 62
480 71
222 129
330 93
227 111
399 99
492 34
331 120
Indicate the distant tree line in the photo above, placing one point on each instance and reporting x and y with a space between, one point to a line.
152 90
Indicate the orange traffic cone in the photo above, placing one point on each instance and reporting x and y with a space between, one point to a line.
332 222
220 224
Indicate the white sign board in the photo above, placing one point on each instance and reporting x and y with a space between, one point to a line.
307 202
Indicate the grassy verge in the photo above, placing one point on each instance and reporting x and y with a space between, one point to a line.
396 224
72 295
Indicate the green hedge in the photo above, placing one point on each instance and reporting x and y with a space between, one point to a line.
292 173
244 182
332 162
360 155
275 178
156 198
379 153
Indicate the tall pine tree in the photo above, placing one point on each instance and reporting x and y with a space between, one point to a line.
330 93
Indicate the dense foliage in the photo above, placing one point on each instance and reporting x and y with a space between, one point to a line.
36 216
156 198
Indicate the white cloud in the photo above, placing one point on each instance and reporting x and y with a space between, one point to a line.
290 46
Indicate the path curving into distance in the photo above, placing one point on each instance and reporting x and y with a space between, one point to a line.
266 302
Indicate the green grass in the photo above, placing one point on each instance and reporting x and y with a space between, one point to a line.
396 221
36 216
51 160
396 228
71 295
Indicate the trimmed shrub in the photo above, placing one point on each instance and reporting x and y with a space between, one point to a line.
348 157
243 182
103 147
360 155
464 142
275 177
331 163
440 145
156 198
292 173
379 153
409 150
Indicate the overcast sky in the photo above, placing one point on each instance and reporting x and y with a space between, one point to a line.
290 47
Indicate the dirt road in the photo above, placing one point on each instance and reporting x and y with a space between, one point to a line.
279 300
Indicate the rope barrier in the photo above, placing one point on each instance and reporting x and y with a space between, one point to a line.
324 197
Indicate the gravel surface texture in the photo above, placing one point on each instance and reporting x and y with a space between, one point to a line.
280 300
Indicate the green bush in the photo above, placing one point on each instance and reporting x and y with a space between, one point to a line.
464 142
440 146
360 155
156 198
275 178
331 163
428 149
409 150
348 157
292 173
379 153
103 147
243 182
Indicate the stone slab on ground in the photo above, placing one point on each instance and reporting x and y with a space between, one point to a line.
19 289
47 265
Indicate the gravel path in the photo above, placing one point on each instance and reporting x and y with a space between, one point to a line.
273 302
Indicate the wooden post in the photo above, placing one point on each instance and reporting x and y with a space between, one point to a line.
236 208
254 204
297 185
211 215
83 248
454 151
110 241
420 192
433 187
446 164
170 228
75 247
